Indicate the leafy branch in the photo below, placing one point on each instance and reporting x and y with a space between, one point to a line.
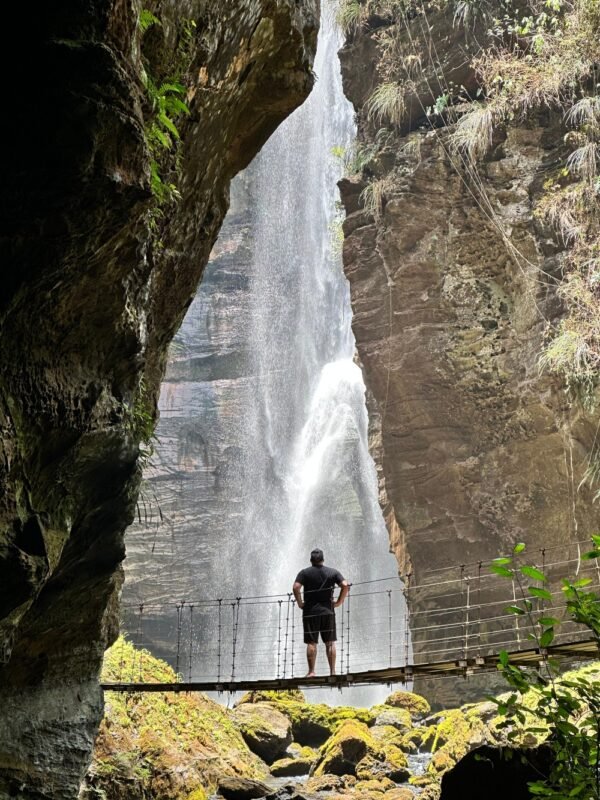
564 711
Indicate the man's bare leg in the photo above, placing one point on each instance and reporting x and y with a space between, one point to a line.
311 657
331 653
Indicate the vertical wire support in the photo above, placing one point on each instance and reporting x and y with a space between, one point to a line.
348 633
293 634
406 634
467 618
390 622
464 604
219 632
279 639
287 631
191 641
516 616
235 607
479 566
141 633
342 653
179 608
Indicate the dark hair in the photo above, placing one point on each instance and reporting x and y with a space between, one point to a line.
316 556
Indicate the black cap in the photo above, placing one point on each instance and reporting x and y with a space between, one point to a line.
316 556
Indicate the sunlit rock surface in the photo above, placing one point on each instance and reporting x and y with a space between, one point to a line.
476 448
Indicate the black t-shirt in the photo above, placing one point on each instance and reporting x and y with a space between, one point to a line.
318 584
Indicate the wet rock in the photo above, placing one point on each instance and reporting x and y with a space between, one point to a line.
390 763
399 793
234 788
266 731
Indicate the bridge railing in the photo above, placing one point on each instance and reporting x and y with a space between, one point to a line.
459 614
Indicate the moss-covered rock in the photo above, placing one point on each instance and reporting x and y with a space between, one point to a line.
167 745
417 706
389 763
374 785
314 723
266 731
271 696
325 783
348 746
399 793
388 734
289 767
396 717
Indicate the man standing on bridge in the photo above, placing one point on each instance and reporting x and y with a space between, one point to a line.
318 615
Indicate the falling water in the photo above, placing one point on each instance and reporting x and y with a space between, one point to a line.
296 427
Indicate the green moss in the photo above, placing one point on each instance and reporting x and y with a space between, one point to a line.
399 718
268 696
314 723
144 739
416 705
351 743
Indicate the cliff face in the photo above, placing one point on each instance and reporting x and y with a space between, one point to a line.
454 283
98 274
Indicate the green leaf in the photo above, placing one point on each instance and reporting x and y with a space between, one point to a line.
502 561
503 658
500 570
582 582
547 637
549 621
519 548
544 594
514 610
168 123
533 572
590 555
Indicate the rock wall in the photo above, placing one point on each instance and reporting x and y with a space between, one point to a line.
97 278
454 285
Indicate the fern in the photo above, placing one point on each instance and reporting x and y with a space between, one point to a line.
147 20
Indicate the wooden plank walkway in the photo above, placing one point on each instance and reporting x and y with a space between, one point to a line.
587 649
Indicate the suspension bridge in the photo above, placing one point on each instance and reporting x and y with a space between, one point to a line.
454 622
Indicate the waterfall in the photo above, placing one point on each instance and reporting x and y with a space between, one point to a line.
275 440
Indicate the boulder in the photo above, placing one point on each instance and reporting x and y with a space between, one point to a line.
417 706
398 718
271 696
235 788
266 731
399 793
374 785
325 783
289 767
349 745
392 763
388 734
314 723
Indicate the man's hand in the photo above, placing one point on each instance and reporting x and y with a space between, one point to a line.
337 604
345 588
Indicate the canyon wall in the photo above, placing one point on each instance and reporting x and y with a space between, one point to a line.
454 285
101 262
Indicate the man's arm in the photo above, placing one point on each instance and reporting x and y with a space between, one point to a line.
297 589
345 588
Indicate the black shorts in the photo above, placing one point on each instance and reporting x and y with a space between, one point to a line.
315 624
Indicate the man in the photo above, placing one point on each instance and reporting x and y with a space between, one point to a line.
318 615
